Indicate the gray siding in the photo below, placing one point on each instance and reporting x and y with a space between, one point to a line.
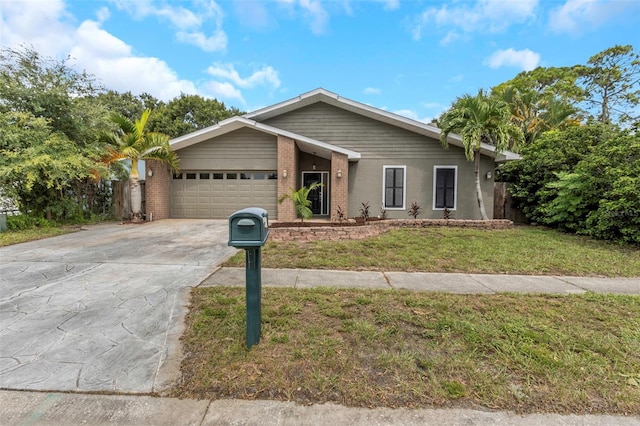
384 145
243 149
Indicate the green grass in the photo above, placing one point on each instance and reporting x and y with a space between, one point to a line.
533 353
14 237
521 250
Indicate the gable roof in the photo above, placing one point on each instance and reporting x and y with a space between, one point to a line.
322 95
305 144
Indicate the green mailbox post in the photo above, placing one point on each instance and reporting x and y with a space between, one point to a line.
249 230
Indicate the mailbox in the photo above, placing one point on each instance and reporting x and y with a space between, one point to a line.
249 228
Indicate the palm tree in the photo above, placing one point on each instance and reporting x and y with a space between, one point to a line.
132 142
534 112
300 200
480 119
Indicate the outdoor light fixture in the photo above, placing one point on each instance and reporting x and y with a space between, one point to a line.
314 160
340 173
150 172
284 173
488 175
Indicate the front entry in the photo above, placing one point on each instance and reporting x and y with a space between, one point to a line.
319 197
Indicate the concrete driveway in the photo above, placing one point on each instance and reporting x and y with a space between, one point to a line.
102 309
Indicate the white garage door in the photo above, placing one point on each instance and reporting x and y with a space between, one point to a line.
217 194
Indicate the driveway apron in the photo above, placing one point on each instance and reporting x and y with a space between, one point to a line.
102 309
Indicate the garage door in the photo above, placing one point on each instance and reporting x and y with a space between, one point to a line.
217 194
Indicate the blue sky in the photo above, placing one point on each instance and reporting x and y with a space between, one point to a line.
409 57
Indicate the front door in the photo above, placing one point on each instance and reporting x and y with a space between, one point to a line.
319 196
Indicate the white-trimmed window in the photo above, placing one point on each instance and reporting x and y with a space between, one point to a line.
394 183
445 187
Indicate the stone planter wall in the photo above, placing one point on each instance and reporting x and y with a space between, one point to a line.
357 232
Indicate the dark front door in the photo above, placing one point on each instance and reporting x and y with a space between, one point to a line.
315 196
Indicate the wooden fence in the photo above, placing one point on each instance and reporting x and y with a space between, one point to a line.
502 208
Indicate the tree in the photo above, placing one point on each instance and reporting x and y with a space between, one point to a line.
535 112
480 119
132 142
612 83
40 168
188 113
554 152
300 200
49 125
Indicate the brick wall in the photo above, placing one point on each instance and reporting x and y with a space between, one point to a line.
371 229
157 190
287 160
339 185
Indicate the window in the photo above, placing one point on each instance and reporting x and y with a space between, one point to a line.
395 180
191 175
245 175
273 176
177 175
258 176
218 176
232 176
444 187
204 176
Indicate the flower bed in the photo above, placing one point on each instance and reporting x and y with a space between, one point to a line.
313 231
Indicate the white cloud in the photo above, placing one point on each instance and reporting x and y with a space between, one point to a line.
90 47
266 76
577 16
32 23
188 23
224 90
483 16
523 59
218 41
412 115
371 91
318 16
109 58
390 4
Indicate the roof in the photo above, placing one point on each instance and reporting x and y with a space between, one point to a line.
322 95
305 144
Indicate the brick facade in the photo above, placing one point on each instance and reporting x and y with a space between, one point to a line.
339 185
287 160
157 190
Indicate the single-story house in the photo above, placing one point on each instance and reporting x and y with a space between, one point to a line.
359 153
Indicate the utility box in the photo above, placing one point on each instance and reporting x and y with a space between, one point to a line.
249 228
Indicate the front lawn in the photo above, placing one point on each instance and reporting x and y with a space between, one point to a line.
521 250
385 348
14 237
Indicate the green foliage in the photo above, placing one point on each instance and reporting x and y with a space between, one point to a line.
583 179
554 152
300 200
188 113
566 209
48 136
24 222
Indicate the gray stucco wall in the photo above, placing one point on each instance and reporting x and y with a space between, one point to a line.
381 145
243 149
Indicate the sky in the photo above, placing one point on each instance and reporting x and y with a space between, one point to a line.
409 57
